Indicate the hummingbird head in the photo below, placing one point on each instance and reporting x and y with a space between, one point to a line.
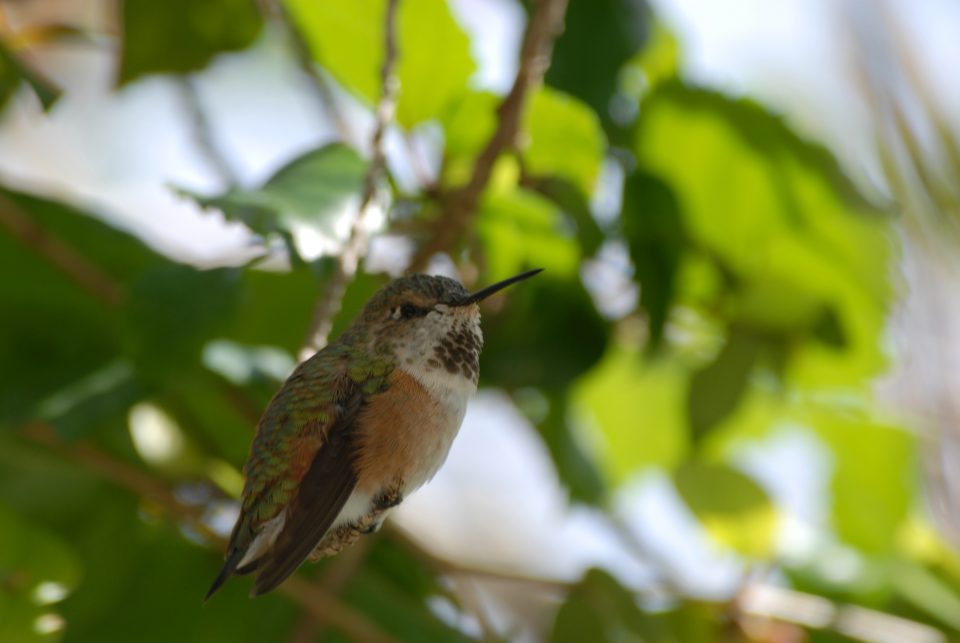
429 324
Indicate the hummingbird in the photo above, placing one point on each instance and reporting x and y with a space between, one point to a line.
357 427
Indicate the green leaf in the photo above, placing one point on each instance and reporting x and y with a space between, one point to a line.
598 38
575 206
434 63
653 227
101 398
522 229
576 467
37 569
874 480
599 609
182 36
733 509
13 73
635 409
391 588
717 388
274 308
547 334
172 312
777 217
315 189
566 139
55 331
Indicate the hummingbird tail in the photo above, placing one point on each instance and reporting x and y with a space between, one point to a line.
229 569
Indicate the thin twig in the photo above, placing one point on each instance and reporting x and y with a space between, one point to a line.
545 25
203 134
346 264
60 254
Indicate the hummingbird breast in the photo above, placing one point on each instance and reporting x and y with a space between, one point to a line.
406 431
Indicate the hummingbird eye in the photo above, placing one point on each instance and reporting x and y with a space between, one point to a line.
408 311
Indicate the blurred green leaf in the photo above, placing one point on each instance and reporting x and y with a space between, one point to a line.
347 39
56 332
599 37
522 229
576 468
928 593
13 74
599 609
172 312
102 397
546 336
574 204
653 227
637 409
274 308
566 139
777 216
182 36
392 589
314 190
469 123
717 388
874 479
733 509
37 570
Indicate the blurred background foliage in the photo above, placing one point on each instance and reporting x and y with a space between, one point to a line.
713 281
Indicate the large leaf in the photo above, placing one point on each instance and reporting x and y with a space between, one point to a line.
182 36
598 38
599 609
547 335
636 411
874 478
717 388
173 311
347 38
56 330
734 509
317 190
654 231
566 139
522 229
777 216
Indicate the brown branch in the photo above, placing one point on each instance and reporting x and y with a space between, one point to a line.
545 25
316 600
60 254
347 261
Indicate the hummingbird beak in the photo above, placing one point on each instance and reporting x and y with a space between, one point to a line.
500 285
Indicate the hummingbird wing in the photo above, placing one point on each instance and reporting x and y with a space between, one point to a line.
301 467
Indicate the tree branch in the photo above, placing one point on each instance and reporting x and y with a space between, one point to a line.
545 25
59 254
355 247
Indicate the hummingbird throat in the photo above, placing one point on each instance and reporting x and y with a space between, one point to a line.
445 349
